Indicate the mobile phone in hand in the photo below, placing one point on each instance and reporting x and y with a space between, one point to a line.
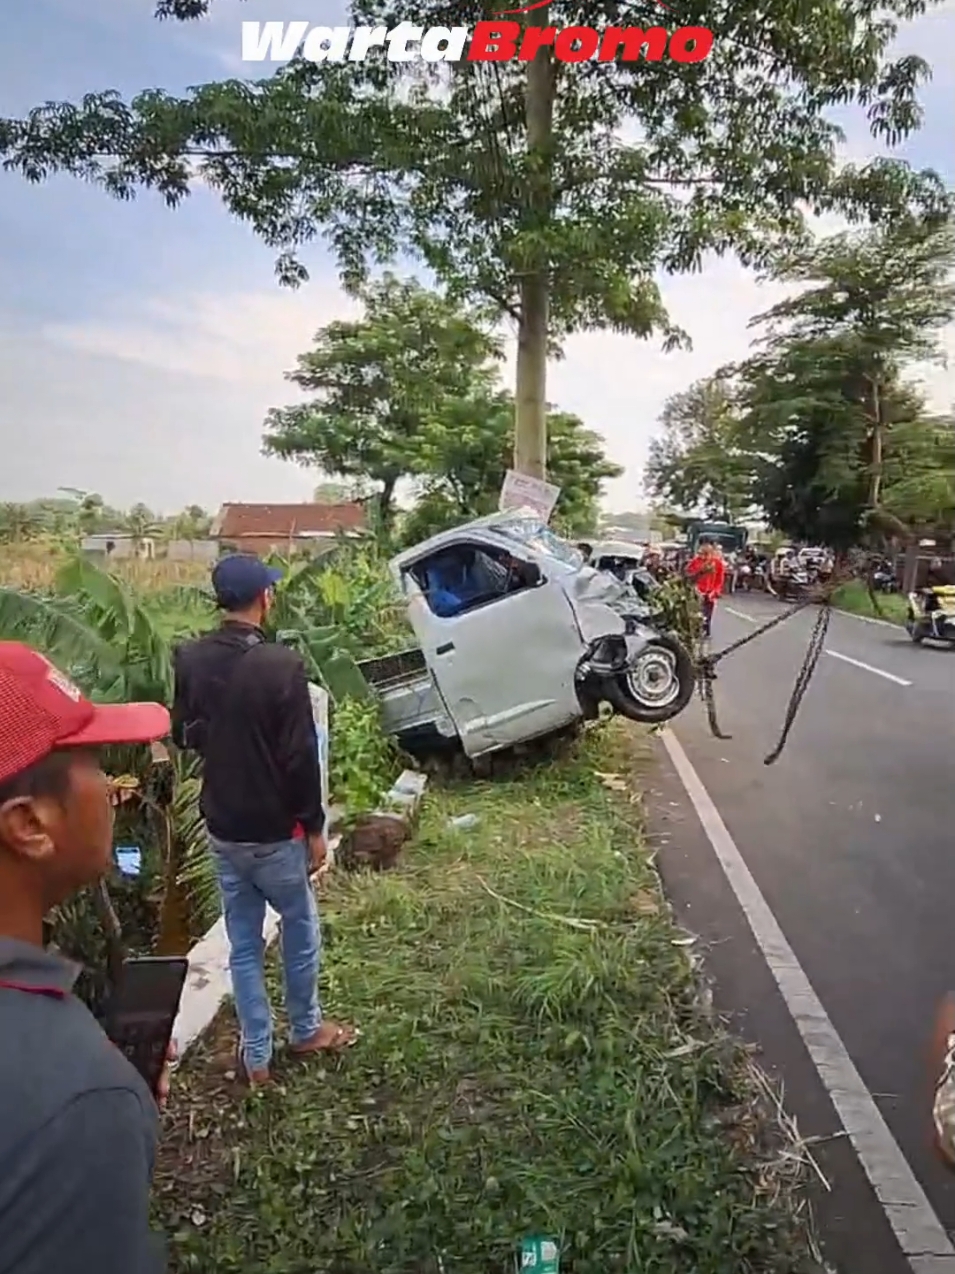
142 1011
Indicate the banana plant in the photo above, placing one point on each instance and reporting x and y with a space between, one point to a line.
115 646
302 617
347 589
326 661
98 631
95 629
61 628
195 870
111 607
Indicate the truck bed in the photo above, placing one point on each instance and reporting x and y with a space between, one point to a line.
387 671
410 702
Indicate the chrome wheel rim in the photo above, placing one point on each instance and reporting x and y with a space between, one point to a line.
652 678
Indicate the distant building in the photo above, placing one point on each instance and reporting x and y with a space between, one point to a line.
192 550
285 528
117 545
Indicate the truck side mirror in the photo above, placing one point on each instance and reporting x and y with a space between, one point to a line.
531 574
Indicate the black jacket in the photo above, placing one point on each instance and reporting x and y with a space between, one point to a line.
242 703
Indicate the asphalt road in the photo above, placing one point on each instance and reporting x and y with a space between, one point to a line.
850 838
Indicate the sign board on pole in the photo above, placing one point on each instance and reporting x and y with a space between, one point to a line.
521 492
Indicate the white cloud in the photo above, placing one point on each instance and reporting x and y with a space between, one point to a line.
165 401
239 346
246 338
618 385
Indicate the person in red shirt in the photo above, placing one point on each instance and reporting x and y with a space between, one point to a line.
707 570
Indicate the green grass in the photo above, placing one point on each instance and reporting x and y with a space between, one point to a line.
854 597
533 1060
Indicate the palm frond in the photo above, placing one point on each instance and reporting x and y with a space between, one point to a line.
109 596
109 605
58 628
197 872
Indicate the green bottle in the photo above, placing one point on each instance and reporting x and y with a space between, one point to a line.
540 1255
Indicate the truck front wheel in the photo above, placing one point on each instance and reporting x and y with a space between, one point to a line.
657 685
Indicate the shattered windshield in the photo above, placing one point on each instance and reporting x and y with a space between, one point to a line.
540 539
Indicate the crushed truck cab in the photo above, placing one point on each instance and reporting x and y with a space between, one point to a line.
518 638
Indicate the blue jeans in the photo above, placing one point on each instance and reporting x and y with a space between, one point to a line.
249 877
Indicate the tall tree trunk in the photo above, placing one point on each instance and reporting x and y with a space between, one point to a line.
530 426
910 569
875 455
386 497
530 430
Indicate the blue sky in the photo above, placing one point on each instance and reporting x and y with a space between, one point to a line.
141 347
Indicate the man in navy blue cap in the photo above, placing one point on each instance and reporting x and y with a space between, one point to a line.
242 702
242 580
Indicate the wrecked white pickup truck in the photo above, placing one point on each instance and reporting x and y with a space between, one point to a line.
519 638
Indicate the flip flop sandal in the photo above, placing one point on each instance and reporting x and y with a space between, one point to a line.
344 1037
243 1073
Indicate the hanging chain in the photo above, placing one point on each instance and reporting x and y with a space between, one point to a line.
705 677
706 663
813 651
763 628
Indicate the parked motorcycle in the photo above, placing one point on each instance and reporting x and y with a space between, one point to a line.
884 580
792 585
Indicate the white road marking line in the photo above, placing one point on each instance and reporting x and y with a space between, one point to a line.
920 1234
857 663
870 619
879 672
849 614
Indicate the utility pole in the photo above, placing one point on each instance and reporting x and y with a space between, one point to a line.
530 426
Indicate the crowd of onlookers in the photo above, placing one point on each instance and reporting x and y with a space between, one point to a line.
754 567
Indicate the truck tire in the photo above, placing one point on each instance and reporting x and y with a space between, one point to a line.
659 684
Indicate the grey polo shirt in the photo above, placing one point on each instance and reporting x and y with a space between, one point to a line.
77 1131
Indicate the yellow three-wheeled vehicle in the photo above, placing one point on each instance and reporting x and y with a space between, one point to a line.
932 614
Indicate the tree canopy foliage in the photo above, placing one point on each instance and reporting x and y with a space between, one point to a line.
702 460
76 513
821 420
554 191
411 390
473 450
380 386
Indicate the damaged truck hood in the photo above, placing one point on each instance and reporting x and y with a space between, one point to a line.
601 602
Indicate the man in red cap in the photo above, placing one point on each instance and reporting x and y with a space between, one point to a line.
77 1123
